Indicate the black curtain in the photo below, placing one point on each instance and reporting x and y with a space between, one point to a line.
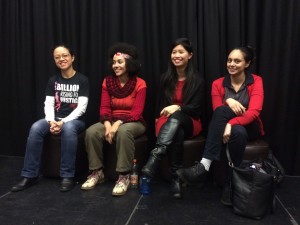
29 30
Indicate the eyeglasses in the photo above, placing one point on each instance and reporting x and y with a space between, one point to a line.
63 56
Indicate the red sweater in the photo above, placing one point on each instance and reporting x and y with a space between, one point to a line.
127 109
256 95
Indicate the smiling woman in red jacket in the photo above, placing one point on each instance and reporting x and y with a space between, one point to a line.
237 101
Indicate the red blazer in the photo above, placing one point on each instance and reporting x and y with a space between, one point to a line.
256 95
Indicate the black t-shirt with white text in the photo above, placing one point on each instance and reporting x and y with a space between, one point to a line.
66 92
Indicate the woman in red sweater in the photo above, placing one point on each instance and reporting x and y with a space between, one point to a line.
121 118
180 102
237 102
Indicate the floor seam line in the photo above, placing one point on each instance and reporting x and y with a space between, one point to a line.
133 211
2 196
292 219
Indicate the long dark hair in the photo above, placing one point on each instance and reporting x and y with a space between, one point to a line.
170 77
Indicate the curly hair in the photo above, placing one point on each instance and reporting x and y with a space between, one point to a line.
132 63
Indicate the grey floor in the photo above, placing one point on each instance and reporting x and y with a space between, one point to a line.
43 204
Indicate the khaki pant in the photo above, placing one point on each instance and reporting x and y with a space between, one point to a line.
124 140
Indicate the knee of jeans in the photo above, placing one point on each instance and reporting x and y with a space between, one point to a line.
38 128
69 129
35 128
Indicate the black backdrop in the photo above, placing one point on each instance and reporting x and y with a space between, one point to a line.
30 29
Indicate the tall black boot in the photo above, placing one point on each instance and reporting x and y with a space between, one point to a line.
175 159
164 139
175 189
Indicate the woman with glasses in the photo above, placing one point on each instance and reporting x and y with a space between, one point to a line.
66 101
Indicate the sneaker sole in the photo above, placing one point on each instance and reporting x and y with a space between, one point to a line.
92 187
119 194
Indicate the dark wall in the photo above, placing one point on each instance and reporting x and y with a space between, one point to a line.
30 29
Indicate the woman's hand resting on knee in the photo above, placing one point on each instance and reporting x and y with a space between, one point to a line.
227 133
169 110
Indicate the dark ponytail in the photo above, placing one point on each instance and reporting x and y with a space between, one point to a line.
248 52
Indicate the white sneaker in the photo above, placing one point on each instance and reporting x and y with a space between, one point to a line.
121 185
96 177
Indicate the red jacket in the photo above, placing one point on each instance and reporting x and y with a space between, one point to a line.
256 95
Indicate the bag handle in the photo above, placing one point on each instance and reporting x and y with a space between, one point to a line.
228 157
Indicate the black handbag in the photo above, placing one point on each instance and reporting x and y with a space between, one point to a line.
252 189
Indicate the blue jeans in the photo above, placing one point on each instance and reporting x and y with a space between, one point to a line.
34 148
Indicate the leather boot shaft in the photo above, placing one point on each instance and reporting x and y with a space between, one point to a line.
167 132
152 164
164 140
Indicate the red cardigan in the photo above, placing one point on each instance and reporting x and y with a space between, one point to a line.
256 95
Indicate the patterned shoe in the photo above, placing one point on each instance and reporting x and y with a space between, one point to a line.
121 185
96 177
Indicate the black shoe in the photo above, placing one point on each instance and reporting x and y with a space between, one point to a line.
24 183
67 184
194 174
226 198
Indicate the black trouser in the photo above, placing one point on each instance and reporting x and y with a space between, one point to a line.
238 138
